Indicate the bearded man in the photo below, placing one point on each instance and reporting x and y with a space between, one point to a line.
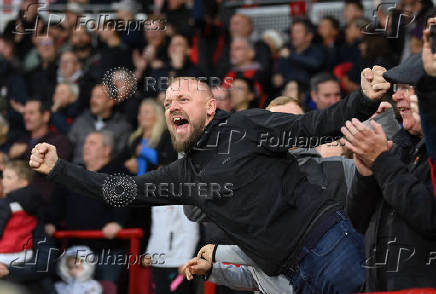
248 185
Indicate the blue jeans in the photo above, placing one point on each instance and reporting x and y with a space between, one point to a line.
334 265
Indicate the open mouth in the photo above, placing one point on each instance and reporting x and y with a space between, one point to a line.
180 123
403 109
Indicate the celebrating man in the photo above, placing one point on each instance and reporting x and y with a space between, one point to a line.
248 185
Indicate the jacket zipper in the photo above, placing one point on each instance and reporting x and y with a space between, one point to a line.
171 241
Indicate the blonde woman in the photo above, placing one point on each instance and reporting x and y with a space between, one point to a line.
150 145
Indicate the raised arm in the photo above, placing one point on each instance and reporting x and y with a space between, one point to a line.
360 104
159 187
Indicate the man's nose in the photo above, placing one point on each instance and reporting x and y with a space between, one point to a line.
174 106
397 96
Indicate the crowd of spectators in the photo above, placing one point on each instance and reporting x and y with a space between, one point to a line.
52 89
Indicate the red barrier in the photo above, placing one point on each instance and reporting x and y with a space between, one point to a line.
410 291
134 235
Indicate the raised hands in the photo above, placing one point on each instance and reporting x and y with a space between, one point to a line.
365 143
43 158
429 57
374 86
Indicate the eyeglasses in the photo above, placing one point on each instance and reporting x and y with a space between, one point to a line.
402 87
45 43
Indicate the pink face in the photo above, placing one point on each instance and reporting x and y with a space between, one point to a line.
146 116
93 149
240 26
222 98
100 102
298 35
240 52
328 93
11 181
33 118
46 48
68 64
74 266
402 98
187 107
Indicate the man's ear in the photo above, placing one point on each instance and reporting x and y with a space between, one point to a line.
252 53
309 37
313 95
211 106
250 96
46 117
24 182
107 151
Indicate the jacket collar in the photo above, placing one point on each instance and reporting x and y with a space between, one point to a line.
404 139
220 116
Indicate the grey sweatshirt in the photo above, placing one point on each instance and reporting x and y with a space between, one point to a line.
247 277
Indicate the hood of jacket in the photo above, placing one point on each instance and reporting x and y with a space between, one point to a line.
85 255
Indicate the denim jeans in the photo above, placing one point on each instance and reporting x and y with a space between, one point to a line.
334 265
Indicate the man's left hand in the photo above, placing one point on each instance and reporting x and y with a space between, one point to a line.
206 252
364 142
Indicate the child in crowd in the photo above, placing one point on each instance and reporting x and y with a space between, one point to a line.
18 213
76 270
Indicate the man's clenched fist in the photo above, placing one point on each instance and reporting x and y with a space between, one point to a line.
43 158
374 86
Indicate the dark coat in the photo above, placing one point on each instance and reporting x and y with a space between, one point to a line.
252 190
75 211
426 91
395 209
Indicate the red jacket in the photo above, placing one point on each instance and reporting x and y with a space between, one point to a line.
17 235
18 211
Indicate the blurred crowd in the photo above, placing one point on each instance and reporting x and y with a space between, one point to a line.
53 89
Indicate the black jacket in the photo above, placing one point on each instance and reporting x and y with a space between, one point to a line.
396 209
252 190
74 211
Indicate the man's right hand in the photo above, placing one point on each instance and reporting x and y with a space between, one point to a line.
374 86
196 266
429 57
43 158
